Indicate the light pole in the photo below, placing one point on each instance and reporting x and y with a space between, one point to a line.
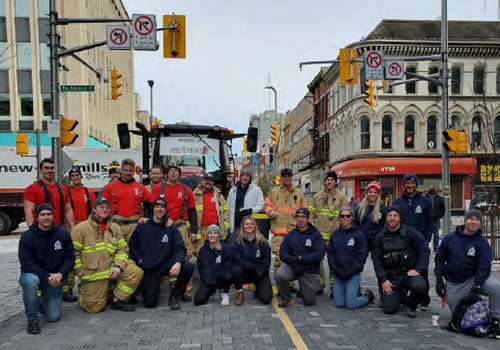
270 87
151 83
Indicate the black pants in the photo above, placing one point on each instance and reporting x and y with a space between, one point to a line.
403 285
263 285
204 291
150 286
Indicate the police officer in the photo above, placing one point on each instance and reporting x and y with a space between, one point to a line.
400 257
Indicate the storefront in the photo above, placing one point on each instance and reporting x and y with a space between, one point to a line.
354 175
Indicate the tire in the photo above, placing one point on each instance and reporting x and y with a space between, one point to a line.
5 224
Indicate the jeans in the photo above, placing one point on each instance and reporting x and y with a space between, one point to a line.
415 286
51 297
345 293
435 241
309 284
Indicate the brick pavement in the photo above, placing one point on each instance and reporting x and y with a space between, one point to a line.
10 302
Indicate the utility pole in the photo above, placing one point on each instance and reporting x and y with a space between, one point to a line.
54 87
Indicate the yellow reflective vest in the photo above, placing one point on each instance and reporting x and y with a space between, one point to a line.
221 207
285 203
325 211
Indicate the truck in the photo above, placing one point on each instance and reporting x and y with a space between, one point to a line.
17 173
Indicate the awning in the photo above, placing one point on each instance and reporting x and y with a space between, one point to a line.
401 166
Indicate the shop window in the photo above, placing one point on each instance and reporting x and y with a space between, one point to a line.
496 129
409 132
365 132
478 79
431 132
456 80
411 88
476 132
386 132
432 87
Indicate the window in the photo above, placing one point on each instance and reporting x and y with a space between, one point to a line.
432 87
478 80
431 132
386 132
456 83
455 122
409 132
498 80
43 8
43 30
22 8
4 82
45 81
476 132
46 111
3 30
411 88
24 82
365 132
496 129
24 56
22 29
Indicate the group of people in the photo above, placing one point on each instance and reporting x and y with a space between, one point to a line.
135 240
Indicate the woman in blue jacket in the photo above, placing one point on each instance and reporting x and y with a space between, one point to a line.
346 258
252 258
214 261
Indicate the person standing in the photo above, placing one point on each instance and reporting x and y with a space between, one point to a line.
46 256
81 198
281 205
438 211
113 174
244 198
211 209
159 251
155 176
325 216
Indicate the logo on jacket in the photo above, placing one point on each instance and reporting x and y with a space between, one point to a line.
418 209
308 243
218 260
180 195
350 243
257 254
57 245
471 251
164 238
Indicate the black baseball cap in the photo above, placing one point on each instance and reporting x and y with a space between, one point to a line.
286 172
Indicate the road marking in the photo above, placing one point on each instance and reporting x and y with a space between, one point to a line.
290 328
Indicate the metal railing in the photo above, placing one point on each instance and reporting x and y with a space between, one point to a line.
491 227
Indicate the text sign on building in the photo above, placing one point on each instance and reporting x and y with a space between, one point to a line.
394 69
118 37
77 88
373 65
144 32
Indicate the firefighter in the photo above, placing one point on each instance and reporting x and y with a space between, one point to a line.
127 198
101 254
211 209
281 205
325 216
155 175
113 174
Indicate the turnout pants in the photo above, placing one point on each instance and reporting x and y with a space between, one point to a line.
262 284
205 291
308 282
276 241
150 286
201 237
186 238
127 224
93 294
415 286
322 276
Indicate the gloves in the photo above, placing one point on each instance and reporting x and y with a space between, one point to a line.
473 296
245 212
440 286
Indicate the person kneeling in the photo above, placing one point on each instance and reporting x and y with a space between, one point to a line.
102 258
347 251
301 253
160 251
214 262
252 257
46 255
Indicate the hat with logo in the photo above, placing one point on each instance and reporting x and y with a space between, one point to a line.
303 211
473 212
374 185
44 206
161 202
331 174
74 170
101 200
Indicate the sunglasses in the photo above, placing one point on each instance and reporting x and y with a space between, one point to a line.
345 216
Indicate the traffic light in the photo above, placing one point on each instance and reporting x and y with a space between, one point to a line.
368 89
252 138
274 133
68 136
174 40
22 148
455 141
115 84
277 180
348 71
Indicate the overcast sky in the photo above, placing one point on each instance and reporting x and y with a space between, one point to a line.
233 46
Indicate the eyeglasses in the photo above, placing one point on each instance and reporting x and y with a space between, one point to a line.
342 216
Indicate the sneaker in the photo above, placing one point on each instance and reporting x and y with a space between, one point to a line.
225 299
239 298
122 306
494 329
173 302
411 313
369 294
286 303
69 298
33 328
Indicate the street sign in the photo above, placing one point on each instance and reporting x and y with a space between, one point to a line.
394 69
54 128
118 37
77 88
144 32
373 65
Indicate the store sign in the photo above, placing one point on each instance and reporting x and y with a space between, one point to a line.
490 173
388 169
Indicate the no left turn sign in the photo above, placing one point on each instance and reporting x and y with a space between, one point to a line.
374 59
118 37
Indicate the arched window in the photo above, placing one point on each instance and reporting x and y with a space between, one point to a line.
476 132
409 132
496 129
431 132
455 122
365 132
386 132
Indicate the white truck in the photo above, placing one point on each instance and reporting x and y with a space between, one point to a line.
17 173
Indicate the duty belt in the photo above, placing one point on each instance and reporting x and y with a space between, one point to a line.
125 221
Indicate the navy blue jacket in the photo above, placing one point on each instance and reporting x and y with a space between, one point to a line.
347 249
154 246
461 257
305 248
46 252
416 212
251 256
212 264
369 227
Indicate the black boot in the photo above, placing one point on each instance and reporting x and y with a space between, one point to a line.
122 306
33 328
173 302
369 294
69 297
494 328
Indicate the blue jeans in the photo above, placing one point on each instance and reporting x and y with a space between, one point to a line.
52 298
345 293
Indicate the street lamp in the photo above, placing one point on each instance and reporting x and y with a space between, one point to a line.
270 87
151 83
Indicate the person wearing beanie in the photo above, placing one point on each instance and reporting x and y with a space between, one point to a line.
463 269
369 216
214 265
301 252
244 198
438 211
113 174
400 258
325 217
46 255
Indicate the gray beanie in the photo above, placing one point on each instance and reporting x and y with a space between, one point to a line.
473 212
213 228
346 208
